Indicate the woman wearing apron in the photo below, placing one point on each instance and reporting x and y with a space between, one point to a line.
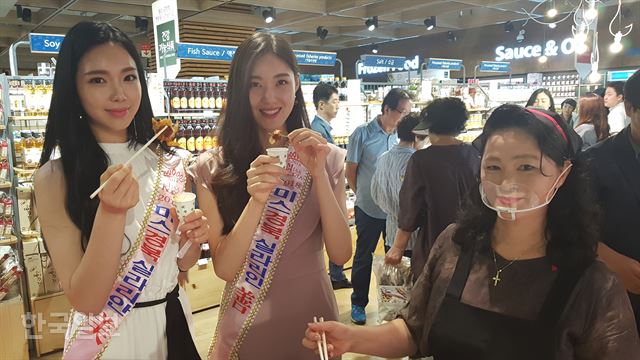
517 276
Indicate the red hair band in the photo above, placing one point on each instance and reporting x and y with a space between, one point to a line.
553 121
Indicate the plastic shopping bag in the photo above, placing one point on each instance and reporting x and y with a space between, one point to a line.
394 283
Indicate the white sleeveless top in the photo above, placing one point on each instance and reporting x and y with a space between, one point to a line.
142 335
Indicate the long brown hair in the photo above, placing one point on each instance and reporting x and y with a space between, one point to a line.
238 132
593 111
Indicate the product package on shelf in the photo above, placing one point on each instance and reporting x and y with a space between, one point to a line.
41 275
6 215
10 272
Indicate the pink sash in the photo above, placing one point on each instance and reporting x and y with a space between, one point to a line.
91 338
243 297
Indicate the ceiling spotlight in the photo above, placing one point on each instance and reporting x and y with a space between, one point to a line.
543 59
592 12
451 36
508 26
581 48
616 46
142 24
322 32
520 37
268 15
18 11
552 25
594 77
23 13
372 23
374 49
551 13
430 22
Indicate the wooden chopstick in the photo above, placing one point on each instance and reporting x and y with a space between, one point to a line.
319 342
129 161
324 342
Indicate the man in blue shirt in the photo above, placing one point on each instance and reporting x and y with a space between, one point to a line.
366 144
327 102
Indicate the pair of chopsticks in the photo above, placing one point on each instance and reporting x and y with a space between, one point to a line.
322 344
95 193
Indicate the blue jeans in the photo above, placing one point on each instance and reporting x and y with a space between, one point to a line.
368 229
336 272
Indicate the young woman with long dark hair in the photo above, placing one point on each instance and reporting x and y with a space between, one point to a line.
268 223
543 99
517 276
115 254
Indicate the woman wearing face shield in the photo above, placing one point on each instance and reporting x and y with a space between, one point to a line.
517 276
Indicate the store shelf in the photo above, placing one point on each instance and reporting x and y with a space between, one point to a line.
2 127
195 114
30 234
12 240
46 296
5 185
22 118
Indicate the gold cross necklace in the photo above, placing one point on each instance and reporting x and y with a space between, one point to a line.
496 279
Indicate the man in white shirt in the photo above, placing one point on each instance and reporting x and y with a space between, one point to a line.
614 101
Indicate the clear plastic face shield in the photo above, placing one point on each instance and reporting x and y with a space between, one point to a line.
510 199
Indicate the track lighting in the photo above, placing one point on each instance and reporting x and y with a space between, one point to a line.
268 15
372 23
430 22
322 32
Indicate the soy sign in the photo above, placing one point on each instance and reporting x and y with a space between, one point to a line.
551 48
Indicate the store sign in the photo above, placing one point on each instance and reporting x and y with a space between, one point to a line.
383 60
409 64
444 64
165 30
317 58
206 52
45 43
145 50
551 48
620 75
495 66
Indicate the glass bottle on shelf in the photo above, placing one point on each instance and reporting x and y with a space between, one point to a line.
191 140
221 96
191 96
39 139
184 102
181 138
216 94
175 97
207 144
205 96
198 95
199 137
28 141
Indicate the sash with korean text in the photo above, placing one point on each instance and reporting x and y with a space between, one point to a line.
91 338
243 297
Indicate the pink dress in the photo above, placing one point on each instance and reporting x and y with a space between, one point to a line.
300 288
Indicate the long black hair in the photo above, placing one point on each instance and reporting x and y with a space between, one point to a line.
534 95
572 219
83 160
239 136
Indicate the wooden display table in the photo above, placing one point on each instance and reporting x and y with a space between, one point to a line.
13 335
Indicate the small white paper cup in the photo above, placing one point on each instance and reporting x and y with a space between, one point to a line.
185 203
280 153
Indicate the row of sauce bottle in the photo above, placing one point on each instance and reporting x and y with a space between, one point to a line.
196 135
190 96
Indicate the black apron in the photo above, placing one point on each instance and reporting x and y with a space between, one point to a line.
461 331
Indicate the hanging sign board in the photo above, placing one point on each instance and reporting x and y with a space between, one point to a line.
382 60
444 64
45 43
495 66
166 35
